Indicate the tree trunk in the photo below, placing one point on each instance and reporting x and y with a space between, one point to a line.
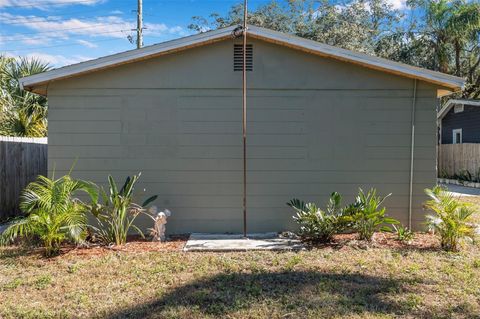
458 51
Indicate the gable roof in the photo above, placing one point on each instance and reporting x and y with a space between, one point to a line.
448 106
35 82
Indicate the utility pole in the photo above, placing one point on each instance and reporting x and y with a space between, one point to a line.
244 121
139 25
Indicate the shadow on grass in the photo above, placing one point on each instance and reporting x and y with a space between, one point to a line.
300 293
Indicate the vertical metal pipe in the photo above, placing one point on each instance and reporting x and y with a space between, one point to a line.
244 122
439 141
412 152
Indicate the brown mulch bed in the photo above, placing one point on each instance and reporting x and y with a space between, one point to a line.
421 241
135 244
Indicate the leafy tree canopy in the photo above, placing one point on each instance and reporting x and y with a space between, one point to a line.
442 35
21 113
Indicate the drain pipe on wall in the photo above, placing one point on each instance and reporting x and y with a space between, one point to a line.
412 152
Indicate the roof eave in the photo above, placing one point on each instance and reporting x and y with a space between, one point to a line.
443 80
448 106
448 81
29 83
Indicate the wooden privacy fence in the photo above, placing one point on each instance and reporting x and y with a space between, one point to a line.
21 161
452 158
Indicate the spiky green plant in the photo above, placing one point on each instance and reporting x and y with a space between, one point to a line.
404 234
365 215
452 220
53 215
117 215
315 224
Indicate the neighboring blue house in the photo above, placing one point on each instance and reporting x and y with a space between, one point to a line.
459 122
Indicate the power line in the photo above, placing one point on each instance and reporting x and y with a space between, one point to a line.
49 3
62 30
79 28
29 21
56 4
10 39
52 19
21 20
36 19
60 45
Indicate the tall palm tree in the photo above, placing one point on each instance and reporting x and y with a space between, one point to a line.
453 28
23 113
464 28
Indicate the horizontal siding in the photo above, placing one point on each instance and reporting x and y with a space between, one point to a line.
354 177
220 152
201 164
468 121
312 133
226 139
191 156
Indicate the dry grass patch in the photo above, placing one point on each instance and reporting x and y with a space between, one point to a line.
329 282
349 278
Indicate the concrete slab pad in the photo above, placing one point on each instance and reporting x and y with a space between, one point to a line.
236 242
459 190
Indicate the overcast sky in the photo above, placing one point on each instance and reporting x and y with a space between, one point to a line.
69 31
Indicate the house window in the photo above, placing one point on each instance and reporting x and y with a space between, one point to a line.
457 136
458 108
238 57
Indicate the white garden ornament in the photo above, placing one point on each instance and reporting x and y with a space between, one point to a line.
160 220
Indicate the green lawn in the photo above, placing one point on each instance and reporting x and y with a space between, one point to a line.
331 282
320 283
474 201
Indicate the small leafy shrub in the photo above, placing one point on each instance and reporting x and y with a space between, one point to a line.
464 175
116 215
444 174
317 225
403 233
53 215
476 177
452 220
365 215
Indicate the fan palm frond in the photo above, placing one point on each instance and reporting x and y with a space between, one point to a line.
452 220
23 113
53 214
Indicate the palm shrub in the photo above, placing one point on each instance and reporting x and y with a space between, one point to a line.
365 215
20 122
117 214
452 220
22 113
315 224
53 215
